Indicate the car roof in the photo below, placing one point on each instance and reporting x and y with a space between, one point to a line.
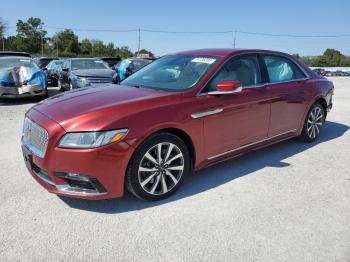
51 58
108 57
83 58
225 51
14 53
14 56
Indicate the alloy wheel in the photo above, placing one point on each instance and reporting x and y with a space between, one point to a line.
315 122
161 168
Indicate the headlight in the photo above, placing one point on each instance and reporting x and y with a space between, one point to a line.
83 81
92 139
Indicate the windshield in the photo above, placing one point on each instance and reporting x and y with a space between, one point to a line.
88 64
173 72
17 62
44 61
54 64
139 63
111 61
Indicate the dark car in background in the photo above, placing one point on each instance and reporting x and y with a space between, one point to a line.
21 77
128 66
111 61
14 53
83 72
52 71
42 62
319 71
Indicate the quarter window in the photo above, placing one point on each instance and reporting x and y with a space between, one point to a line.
282 69
243 69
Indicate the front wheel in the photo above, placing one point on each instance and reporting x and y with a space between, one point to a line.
313 123
158 167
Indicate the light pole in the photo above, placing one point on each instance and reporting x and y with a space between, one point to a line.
234 39
57 45
139 42
42 45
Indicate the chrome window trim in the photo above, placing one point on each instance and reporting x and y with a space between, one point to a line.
260 84
286 81
251 144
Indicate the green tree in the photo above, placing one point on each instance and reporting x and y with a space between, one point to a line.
144 52
3 27
98 48
123 52
330 57
110 50
66 42
30 35
296 56
85 47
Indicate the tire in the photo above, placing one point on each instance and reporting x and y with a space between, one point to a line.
164 177
43 96
46 95
60 88
313 123
70 86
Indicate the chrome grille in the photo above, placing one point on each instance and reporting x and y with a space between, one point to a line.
35 137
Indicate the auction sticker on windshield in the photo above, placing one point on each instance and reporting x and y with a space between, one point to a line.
203 60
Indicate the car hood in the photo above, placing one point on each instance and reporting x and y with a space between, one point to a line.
90 109
93 72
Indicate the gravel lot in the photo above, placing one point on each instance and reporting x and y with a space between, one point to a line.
289 202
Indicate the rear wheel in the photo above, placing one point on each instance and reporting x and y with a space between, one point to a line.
313 123
158 167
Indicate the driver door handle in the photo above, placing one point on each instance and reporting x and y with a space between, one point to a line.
206 113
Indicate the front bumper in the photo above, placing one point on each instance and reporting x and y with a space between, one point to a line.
25 90
104 167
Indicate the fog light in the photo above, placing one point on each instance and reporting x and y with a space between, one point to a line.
77 176
82 183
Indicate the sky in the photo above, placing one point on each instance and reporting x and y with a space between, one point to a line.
275 17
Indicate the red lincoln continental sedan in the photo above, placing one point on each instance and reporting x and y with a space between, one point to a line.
183 112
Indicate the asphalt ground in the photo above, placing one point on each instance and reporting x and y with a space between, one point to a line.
287 202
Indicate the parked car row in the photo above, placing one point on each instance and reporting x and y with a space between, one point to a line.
18 68
323 72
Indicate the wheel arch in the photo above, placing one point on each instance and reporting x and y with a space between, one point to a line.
323 102
183 135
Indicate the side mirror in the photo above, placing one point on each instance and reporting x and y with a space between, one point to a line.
226 87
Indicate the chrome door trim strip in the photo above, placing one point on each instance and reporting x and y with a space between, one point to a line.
251 144
206 113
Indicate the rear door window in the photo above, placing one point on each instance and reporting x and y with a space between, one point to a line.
281 69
